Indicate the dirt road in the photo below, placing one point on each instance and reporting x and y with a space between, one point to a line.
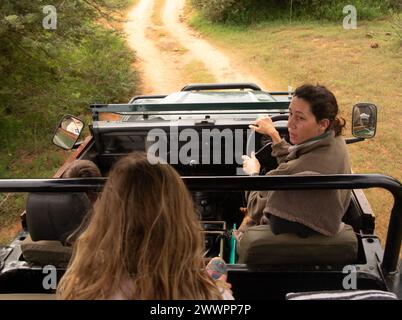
165 45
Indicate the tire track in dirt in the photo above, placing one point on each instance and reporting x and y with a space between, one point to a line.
163 67
214 60
158 71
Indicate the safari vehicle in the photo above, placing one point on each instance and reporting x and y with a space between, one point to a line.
205 129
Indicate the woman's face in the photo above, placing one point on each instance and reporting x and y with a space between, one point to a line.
302 124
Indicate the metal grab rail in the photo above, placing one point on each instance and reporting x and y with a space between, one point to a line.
241 183
220 86
149 96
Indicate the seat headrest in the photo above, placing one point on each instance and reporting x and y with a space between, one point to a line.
54 216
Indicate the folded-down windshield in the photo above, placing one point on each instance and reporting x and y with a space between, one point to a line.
240 105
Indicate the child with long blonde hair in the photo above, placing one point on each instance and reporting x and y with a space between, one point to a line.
143 241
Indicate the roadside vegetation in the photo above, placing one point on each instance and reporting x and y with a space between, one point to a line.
255 11
49 73
359 65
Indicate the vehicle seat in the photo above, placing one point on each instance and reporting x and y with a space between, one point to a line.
342 295
260 245
51 219
46 252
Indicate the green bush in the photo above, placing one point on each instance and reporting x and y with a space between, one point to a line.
251 11
332 10
223 10
396 4
51 73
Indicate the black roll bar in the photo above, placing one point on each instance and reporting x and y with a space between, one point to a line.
220 86
241 183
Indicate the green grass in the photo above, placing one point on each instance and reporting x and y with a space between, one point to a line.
195 72
97 68
10 203
41 163
344 61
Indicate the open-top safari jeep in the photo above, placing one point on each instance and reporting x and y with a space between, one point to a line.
203 131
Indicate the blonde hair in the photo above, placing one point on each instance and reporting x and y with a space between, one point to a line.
143 230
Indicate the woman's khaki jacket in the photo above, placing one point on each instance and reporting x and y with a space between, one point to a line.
321 210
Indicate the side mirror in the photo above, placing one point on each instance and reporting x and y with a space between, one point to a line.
68 132
364 120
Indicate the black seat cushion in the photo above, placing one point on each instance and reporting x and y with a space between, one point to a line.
55 216
260 245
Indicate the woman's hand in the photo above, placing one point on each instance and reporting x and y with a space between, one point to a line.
238 235
251 164
265 126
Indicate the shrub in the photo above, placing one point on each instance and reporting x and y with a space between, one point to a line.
51 73
249 11
222 10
